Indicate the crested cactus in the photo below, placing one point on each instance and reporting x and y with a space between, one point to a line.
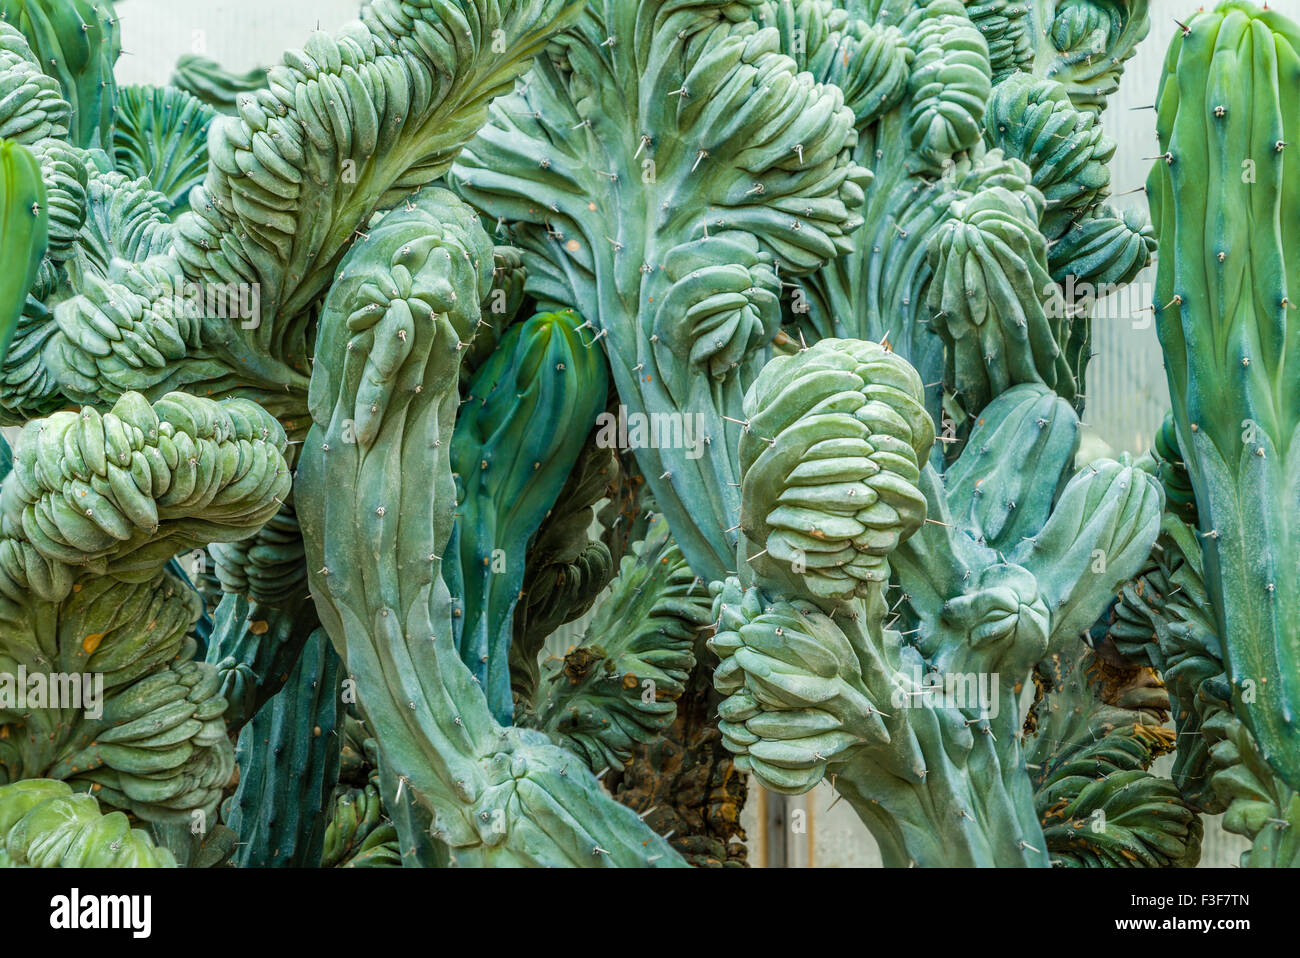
754 335
77 42
44 825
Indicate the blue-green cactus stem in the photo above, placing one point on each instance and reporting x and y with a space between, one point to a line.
520 430
24 223
376 498
289 766
1223 198
661 182
77 42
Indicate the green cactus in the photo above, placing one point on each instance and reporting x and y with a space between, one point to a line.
1079 43
289 765
602 699
207 81
1097 726
24 222
1228 272
301 422
566 570
44 825
387 366
264 615
93 510
1002 574
77 42
161 135
1165 617
731 167
521 428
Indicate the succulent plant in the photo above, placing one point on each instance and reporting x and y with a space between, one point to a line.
752 334
44 825
1224 288
77 42
25 222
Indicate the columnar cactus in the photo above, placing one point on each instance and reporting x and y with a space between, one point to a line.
77 42
1226 294
24 221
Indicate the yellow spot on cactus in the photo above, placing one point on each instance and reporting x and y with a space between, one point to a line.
259 627
572 246
91 642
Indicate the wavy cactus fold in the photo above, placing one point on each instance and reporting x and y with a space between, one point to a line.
754 334
44 825
24 220
618 688
692 144
90 516
78 43
824 686
1082 44
269 223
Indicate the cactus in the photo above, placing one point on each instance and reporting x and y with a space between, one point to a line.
527 410
601 196
44 825
1224 288
24 221
93 509
800 290
161 135
387 367
600 699
289 765
1097 726
77 42
1003 575
220 89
